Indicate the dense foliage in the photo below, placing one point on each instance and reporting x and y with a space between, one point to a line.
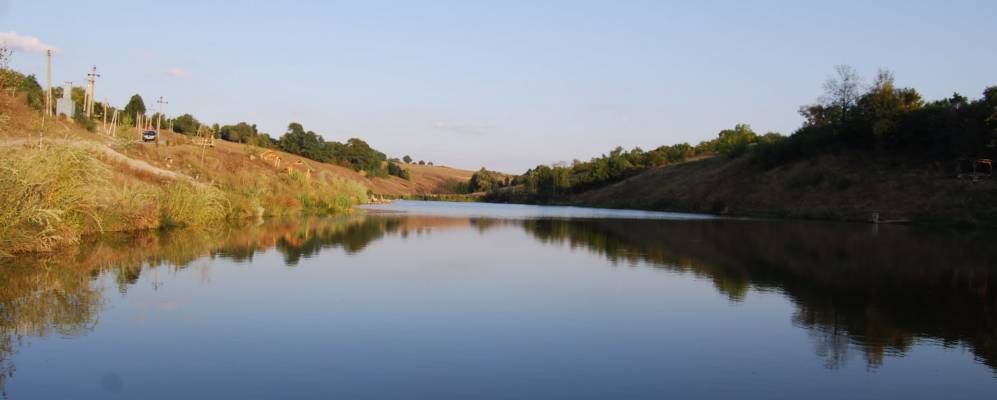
396 170
485 181
26 84
891 120
135 106
246 133
355 153
186 124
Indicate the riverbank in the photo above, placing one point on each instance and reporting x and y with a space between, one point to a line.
62 181
54 193
857 186
843 187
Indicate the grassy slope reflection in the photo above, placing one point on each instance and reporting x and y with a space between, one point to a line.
880 290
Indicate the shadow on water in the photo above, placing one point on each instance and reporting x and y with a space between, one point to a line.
880 290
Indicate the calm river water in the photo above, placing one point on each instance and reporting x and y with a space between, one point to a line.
421 300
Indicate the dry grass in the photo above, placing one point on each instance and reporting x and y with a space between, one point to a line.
50 196
185 204
423 180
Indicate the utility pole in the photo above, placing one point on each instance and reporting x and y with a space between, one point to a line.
159 120
48 84
114 124
91 82
103 125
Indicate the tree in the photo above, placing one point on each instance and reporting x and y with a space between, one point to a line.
7 77
881 108
990 99
5 53
135 106
304 143
241 132
421 162
362 157
186 124
407 159
733 142
843 90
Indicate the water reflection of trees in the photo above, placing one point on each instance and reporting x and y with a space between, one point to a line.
880 290
56 293
42 301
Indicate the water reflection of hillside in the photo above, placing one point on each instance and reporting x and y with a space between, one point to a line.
880 290
55 293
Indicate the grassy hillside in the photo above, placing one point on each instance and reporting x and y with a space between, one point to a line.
423 180
846 186
62 181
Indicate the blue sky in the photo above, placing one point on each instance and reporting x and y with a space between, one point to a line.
504 84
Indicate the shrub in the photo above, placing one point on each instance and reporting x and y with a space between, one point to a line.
396 170
84 121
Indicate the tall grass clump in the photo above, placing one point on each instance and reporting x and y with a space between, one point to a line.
49 197
188 204
325 194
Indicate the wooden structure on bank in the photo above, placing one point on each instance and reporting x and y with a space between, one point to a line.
208 141
271 157
300 166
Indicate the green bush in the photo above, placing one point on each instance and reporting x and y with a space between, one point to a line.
396 170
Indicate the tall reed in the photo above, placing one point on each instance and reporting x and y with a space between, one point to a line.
50 195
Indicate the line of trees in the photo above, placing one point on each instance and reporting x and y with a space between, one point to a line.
408 160
851 116
354 153
550 182
886 119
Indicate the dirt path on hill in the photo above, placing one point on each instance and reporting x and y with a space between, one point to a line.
108 154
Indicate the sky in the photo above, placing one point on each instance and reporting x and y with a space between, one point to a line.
506 84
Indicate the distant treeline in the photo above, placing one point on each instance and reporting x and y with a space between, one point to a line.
879 118
546 183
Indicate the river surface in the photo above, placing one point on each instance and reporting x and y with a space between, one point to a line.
417 300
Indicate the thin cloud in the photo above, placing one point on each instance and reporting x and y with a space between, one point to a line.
28 44
176 73
462 129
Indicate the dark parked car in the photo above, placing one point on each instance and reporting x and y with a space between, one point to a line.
148 136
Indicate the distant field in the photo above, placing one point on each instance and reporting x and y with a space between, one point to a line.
424 179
